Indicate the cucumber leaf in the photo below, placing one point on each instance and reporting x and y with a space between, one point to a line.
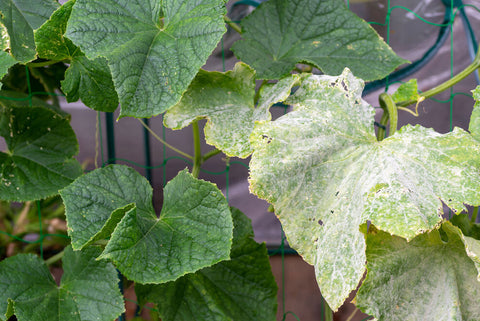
406 91
194 229
85 79
325 174
431 277
88 289
474 126
154 48
323 33
21 18
39 160
227 101
242 288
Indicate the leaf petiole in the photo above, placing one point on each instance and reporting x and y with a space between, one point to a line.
164 142
389 114
233 25
447 84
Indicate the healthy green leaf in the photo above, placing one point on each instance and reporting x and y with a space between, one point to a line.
431 277
407 91
88 290
194 229
154 48
21 18
85 79
323 33
325 174
39 160
474 126
92 198
240 289
227 101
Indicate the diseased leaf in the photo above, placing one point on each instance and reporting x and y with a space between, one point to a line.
154 48
323 33
462 221
88 289
21 18
85 79
227 101
474 126
325 174
431 277
194 229
6 61
242 288
39 160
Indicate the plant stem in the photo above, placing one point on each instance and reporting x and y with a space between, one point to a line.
197 158
164 142
233 25
328 312
55 258
447 84
210 154
350 318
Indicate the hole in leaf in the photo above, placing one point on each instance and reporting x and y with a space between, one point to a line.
320 222
268 139
336 194
332 211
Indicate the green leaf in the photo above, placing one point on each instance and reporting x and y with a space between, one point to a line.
431 277
194 229
39 160
6 61
227 101
154 48
88 289
91 200
325 174
407 91
240 289
474 126
85 79
323 33
462 221
21 18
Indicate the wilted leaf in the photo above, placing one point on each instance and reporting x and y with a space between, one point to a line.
325 174
227 101
431 277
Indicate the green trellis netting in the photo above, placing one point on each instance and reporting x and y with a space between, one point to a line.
437 36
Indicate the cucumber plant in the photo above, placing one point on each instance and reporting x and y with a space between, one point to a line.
350 200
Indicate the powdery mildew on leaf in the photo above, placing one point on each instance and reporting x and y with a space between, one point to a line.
39 160
88 289
242 288
154 48
227 101
325 174
323 33
430 278
194 229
